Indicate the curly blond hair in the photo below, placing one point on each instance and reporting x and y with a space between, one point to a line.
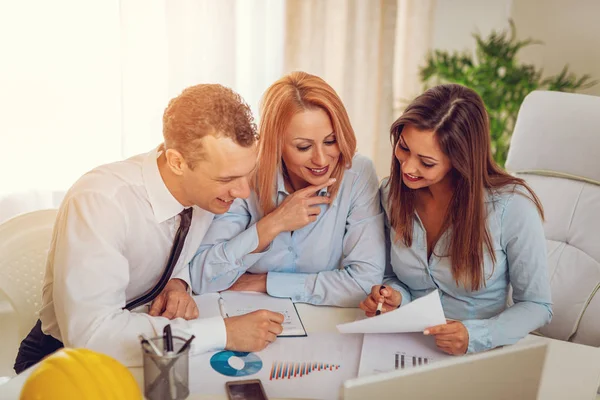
207 109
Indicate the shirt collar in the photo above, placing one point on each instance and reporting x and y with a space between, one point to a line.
282 190
163 204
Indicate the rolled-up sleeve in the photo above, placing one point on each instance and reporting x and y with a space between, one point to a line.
524 242
363 261
226 250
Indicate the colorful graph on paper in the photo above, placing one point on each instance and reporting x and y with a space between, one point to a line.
402 361
289 370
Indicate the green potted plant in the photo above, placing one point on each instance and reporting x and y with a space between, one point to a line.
499 78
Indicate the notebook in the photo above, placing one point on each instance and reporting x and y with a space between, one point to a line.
239 303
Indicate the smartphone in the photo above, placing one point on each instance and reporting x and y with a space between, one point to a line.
249 389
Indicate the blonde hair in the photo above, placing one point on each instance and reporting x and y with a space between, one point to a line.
294 93
207 109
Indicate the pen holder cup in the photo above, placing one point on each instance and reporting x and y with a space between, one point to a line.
167 376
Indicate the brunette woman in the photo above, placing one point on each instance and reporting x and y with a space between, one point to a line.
460 224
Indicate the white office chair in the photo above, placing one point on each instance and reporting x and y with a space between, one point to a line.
24 243
16 203
555 147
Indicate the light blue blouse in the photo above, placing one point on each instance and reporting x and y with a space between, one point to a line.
334 260
520 248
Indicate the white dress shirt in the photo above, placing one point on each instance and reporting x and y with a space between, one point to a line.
111 242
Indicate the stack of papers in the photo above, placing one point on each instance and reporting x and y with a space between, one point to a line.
382 350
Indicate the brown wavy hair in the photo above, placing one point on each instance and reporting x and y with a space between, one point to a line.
460 121
206 109
294 93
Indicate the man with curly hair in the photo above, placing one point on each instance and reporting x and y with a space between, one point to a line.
126 232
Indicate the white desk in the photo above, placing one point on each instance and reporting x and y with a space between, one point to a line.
563 371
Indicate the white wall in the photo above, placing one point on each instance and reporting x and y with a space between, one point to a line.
570 31
86 83
455 21
60 99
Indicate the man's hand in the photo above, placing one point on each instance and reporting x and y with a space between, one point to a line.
174 302
251 283
451 338
253 331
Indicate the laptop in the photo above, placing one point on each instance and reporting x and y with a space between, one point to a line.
509 373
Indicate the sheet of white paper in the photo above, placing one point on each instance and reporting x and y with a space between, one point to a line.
240 303
282 366
208 305
417 315
382 352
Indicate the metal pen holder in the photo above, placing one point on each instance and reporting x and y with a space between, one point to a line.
166 376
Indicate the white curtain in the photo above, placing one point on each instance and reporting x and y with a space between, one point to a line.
84 83
60 100
350 44
413 41
369 51
176 44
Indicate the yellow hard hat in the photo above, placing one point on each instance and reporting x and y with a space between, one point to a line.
80 374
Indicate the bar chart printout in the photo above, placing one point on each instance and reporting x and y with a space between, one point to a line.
311 367
402 361
388 352
290 370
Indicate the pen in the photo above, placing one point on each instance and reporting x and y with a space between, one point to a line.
380 304
186 344
155 349
222 308
168 339
168 346
146 345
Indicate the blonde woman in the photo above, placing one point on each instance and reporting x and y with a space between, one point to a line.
312 229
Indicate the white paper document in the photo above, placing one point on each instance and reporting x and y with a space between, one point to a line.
312 367
417 315
383 352
239 303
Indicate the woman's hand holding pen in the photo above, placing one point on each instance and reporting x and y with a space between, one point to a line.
174 302
382 298
451 338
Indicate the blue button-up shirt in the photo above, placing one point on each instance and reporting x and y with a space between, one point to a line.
334 260
520 248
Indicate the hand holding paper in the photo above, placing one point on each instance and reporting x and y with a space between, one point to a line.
413 317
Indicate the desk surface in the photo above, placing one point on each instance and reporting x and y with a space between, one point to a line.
567 365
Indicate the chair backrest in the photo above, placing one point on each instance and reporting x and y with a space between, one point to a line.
555 148
24 243
16 203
